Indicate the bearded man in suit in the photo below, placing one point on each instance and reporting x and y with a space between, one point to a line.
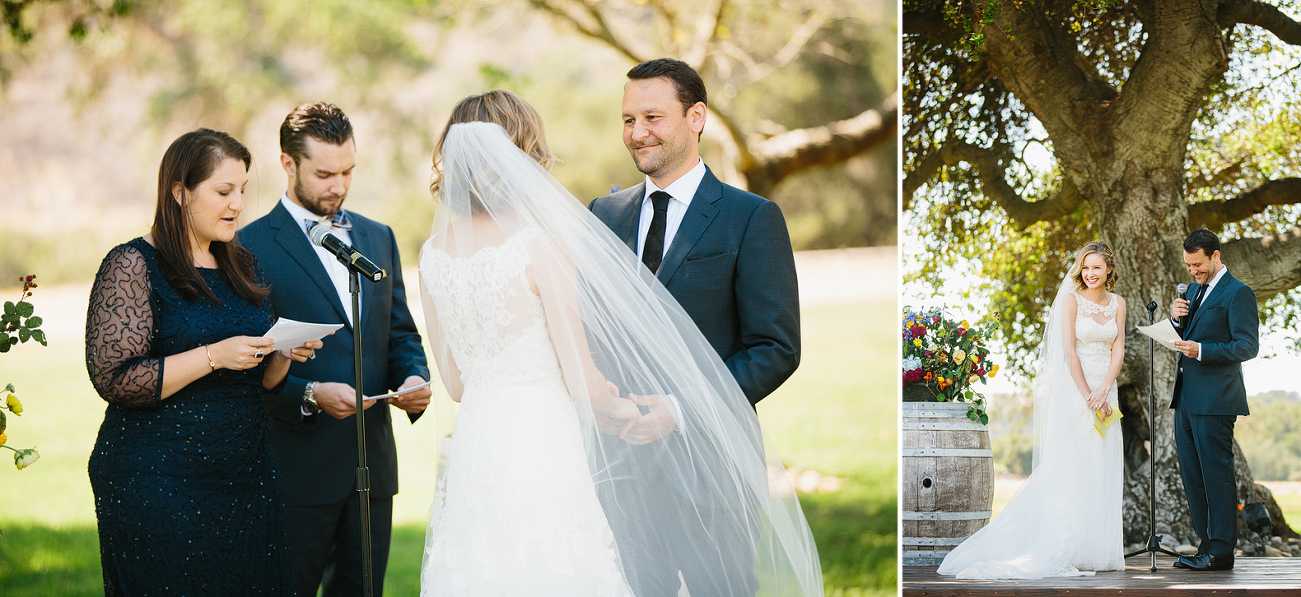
314 435
726 256
1220 330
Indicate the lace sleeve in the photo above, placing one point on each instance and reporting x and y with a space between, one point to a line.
119 332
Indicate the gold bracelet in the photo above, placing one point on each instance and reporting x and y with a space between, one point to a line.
209 352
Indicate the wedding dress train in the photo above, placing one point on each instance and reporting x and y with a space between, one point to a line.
1066 518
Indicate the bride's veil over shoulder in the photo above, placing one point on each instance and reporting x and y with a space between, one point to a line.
611 322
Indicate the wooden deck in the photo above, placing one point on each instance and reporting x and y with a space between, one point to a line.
1250 576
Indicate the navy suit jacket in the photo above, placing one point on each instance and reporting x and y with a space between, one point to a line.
316 456
1227 325
731 268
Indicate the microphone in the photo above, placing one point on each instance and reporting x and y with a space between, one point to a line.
346 254
1183 294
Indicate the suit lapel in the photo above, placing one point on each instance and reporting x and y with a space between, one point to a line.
699 215
630 216
1210 299
290 237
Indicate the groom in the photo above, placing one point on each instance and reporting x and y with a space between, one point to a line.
1219 330
725 255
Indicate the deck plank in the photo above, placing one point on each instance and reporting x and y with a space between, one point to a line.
1255 576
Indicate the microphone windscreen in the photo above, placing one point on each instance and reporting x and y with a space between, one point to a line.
319 233
1182 288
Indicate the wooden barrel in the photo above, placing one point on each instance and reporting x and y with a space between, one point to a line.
947 479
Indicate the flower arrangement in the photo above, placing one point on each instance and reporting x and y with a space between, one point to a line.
18 324
944 357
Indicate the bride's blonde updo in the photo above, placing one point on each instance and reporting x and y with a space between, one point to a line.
507 110
1102 249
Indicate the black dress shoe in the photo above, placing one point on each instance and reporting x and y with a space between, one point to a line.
1186 561
1210 563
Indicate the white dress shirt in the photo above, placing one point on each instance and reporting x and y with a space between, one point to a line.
682 190
338 272
1210 287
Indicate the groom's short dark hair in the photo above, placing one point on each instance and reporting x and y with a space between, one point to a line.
1202 239
322 121
686 81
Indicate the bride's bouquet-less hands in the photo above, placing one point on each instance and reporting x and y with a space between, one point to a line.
944 357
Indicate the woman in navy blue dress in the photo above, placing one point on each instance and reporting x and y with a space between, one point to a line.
185 488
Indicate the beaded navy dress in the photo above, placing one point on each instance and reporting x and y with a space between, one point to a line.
185 488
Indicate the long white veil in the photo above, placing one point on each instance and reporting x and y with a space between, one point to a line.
712 490
1052 375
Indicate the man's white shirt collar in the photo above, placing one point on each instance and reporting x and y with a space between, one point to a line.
1224 269
682 189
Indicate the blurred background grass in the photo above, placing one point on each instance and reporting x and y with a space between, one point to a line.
834 416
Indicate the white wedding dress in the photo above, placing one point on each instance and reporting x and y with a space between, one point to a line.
516 512
1066 519
535 311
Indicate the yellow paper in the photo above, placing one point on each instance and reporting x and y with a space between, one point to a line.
1101 423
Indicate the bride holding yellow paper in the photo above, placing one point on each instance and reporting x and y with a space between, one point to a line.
1065 520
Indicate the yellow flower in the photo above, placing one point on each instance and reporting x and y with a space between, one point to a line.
11 401
973 358
917 341
3 438
25 458
993 370
958 356
965 324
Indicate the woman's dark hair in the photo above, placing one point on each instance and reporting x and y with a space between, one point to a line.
190 160
1202 239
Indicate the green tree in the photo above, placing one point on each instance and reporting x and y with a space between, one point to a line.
1032 127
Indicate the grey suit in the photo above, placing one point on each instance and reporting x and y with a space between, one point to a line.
1209 394
731 268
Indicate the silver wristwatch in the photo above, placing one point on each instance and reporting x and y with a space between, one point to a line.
309 400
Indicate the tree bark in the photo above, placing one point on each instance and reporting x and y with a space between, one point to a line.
1123 154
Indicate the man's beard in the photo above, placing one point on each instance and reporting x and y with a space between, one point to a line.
669 156
312 202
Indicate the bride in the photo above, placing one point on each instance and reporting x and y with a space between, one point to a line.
541 320
1066 519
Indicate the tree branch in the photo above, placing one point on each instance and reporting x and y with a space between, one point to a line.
1263 15
599 30
1218 212
793 46
992 183
792 151
706 34
1269 265
931 25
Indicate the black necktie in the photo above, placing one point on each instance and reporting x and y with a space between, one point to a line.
1197 302
652 252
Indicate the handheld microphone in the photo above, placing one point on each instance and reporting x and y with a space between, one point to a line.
1183 294
346 254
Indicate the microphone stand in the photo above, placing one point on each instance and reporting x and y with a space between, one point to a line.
1153 539
363 472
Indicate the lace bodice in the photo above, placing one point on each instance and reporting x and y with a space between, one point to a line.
1095 330
489 318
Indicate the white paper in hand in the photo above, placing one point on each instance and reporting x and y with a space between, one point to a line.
1163 332
288 333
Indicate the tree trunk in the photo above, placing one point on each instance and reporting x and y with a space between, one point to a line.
1144 222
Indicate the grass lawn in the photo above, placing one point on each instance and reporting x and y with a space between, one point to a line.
830 417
